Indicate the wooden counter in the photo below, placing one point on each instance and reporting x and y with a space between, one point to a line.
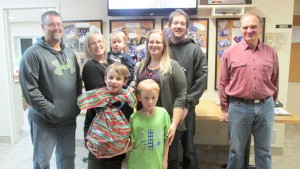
209 110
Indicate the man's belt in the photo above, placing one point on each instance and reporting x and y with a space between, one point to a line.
250 101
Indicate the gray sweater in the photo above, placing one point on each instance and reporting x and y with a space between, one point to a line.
172 90
50 82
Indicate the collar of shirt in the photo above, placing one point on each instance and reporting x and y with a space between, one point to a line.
247 47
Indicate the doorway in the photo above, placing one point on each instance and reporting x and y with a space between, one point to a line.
18 21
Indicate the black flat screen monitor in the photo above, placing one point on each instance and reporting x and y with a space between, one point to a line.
150 7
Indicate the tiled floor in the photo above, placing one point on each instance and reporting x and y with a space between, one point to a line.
291 150
19 156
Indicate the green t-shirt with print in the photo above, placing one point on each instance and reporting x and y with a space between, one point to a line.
148 133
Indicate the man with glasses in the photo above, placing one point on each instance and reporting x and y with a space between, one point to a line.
51 83
193 62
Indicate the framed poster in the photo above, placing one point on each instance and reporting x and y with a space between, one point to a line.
197 30
74 36
228 34
136 32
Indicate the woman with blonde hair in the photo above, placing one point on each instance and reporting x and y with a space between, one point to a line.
93 77
159 66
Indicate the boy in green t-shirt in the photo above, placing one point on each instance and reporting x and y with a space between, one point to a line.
149 145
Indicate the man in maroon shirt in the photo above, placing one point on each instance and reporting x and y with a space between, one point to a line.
248 88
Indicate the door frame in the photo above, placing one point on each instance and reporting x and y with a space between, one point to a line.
8 112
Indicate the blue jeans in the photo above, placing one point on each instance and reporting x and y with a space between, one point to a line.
46 138
244 119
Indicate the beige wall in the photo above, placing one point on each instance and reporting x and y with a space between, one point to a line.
96 9
272 18
293 98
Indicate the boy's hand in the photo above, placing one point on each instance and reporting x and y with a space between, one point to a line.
130 89
171 132
92 150
165 164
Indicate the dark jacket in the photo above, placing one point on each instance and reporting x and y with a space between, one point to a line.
173 90
93 78
50 82
193 61
125 59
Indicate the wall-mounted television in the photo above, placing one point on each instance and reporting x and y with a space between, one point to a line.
149 7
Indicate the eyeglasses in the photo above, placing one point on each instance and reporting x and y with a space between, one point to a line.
52 25
153 42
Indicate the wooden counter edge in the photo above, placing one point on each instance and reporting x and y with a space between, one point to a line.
216 114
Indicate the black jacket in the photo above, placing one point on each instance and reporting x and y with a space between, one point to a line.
192 59
125 59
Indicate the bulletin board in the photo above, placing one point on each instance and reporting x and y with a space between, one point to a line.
136 32
294 73
197 30
74 36
228 33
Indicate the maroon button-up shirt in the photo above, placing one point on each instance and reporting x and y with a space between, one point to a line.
248 73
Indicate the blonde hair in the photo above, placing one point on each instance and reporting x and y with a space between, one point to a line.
88 39
119 68
164 63
117 35
147 85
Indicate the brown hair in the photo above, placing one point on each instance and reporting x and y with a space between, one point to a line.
49 13
119 68
179 12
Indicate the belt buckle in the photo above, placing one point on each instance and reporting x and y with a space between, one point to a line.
256 101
